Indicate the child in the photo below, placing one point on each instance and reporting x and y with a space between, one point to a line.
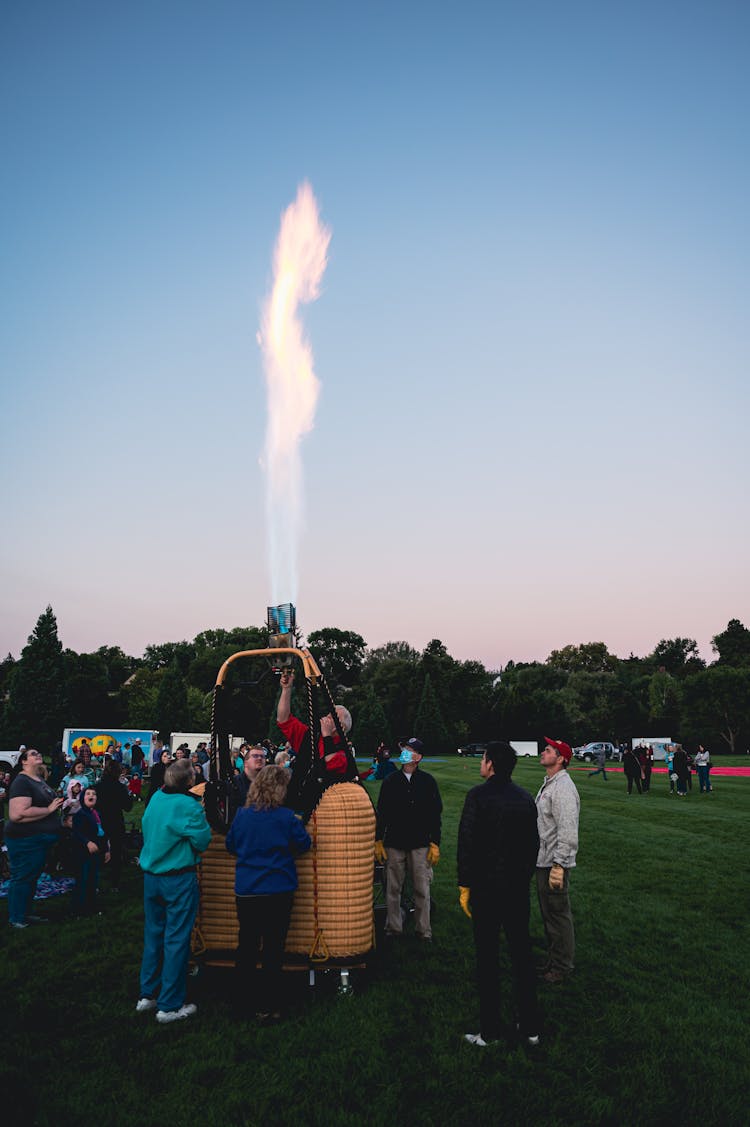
135 785
91 846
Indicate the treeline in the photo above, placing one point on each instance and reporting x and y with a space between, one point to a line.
580 693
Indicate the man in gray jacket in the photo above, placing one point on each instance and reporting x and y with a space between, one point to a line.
557 805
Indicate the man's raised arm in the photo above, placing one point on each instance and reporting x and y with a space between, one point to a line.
284 707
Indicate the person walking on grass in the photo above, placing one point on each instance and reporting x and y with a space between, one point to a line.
558 807
175 833
601 760
498 845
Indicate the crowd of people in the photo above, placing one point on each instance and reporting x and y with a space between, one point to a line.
507 840
638 765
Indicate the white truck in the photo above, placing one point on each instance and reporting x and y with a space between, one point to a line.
99 740
524 747
658 743
8 760
192 739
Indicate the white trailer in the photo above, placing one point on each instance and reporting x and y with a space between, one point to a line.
658 743
524 747
192 739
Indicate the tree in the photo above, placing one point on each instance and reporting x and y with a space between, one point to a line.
6 668
87 686
733 644
163 655
717 703
171 702
589 657
119 666
340 654
391 651
678 656
236 639
140 698
370 723
428 723
37 703
664 700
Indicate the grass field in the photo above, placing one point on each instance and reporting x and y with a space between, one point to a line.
651 1029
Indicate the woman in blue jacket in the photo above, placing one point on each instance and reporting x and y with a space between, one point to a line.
264 838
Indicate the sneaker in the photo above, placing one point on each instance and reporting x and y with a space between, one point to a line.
164 1017
530 1039
145 1004
476 1039
18 926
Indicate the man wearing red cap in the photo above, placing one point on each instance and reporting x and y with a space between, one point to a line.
557 806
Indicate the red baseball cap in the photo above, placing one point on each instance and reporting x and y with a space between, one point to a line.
563 749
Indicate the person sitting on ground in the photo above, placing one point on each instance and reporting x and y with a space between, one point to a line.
264 837
91 847
135 785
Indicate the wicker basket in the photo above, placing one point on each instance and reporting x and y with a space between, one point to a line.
332 914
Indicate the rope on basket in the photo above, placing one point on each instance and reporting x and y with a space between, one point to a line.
319 952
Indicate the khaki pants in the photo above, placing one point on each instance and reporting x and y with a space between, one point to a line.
397 862
558 921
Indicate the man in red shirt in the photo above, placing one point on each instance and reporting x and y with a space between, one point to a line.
329 745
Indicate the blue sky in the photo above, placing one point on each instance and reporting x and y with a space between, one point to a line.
532 337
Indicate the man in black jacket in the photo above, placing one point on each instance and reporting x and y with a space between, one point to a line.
498 844
408 836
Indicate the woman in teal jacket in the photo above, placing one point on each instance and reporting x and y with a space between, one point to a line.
175 833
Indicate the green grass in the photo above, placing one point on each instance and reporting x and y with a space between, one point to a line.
651 1028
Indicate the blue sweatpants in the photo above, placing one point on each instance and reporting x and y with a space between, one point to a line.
170 904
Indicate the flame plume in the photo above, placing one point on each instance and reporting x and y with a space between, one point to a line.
299 262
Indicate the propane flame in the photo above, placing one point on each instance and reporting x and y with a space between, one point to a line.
299 262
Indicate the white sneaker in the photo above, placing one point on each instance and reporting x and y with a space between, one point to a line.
476 1039
531 1040
164 1017
145 1004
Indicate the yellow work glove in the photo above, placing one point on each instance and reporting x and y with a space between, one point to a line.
380 853
464 896
433 854
556 877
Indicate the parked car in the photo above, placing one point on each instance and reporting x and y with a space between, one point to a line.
472 749
589 752
8 760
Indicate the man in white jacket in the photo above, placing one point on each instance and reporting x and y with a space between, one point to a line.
558 806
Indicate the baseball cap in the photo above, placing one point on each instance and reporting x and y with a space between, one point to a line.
560 747
416 745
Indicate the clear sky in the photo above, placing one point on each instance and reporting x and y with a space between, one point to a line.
532 335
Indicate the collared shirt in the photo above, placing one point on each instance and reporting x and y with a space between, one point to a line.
558 806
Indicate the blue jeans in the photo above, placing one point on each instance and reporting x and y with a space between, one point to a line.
87 881
703 778
27 856
170 905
